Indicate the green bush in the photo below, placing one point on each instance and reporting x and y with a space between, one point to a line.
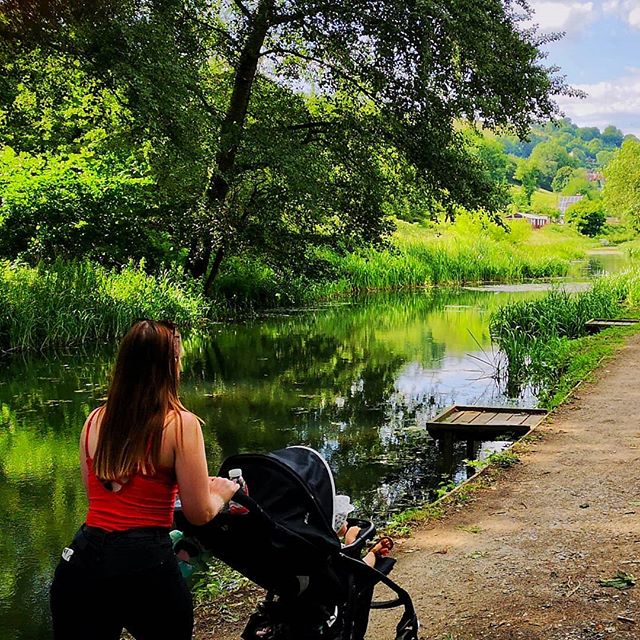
587 216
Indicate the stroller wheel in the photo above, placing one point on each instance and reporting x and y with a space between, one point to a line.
408 629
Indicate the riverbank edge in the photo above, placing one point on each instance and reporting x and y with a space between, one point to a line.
224 610
68 304
603 347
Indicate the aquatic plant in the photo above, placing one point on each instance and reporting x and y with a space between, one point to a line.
74 303
544 339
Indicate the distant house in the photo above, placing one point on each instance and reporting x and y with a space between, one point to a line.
566 202
595 176
536 221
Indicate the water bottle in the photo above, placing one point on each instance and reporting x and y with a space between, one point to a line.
235 475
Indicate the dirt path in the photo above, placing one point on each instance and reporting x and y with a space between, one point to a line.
522 560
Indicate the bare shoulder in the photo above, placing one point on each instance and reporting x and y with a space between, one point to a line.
184 423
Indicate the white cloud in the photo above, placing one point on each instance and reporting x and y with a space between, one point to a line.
615 102
570 17
628 10
634 17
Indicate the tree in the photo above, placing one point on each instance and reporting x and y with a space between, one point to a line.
396 73
561 179
549 157
588 133
579 184
612 136
587 216
529 176
622 186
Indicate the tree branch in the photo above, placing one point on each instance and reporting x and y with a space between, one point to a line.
323 63
243 8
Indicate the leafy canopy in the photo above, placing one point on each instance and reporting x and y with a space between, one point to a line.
273 126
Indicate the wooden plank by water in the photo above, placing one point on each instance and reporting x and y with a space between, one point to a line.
469 422
466 417
598 324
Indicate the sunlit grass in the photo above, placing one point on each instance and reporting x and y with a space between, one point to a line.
470 250
545 339
72 303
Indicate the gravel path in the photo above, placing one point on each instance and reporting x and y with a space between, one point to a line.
547 530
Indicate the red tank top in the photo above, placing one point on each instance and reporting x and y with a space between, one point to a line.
143 501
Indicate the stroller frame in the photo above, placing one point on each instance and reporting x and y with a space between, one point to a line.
316 588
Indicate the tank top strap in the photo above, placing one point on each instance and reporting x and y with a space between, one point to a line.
92 415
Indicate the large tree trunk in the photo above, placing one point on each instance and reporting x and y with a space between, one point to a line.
231 132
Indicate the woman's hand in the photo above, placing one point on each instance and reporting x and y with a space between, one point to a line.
223 488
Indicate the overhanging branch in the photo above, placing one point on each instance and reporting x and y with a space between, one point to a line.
243 8
323 63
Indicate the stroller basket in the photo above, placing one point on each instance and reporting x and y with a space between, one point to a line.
285 543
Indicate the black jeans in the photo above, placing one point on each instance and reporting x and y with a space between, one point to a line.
109 581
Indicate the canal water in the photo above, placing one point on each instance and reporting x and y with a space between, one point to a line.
357 380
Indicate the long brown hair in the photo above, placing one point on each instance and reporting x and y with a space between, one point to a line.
143 390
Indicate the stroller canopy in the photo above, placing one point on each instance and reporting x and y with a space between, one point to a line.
294 487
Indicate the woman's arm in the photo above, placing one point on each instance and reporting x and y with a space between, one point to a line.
202 497
84 471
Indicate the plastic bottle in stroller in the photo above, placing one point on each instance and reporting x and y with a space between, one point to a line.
235 475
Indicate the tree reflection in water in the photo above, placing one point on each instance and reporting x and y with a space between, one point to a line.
355 381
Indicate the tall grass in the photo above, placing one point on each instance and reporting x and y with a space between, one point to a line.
472 250
73 303
540 337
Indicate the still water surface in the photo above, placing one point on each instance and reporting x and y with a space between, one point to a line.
356 380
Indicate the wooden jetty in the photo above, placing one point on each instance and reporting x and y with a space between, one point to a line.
598 324
481 423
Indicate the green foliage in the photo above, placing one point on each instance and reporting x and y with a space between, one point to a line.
621 580
622 187
548 158
579 184
612 136
73 206
471 250
544 339
217 580
530 177
587 216
400 524
72 303
583 144
248 163
502 459
561 179
445 487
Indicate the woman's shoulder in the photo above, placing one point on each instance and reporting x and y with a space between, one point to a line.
183 419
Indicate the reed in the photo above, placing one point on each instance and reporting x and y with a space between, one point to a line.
544 339
75 303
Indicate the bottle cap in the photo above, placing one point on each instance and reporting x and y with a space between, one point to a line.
234 474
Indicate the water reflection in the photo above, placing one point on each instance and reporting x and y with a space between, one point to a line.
356 381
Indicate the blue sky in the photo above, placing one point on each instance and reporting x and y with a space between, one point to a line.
600 54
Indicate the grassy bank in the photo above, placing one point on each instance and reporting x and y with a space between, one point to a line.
545 340
471 250
81 302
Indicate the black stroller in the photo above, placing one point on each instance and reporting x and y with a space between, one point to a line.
316 588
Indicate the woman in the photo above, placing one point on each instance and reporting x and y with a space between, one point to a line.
136 452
